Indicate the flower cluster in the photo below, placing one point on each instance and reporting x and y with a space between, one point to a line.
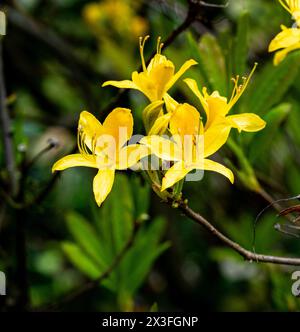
289 38
115 16
176 133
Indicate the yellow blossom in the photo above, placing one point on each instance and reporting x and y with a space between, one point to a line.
293 7
156 78
190 146
102 146
192 142
217 107
286 41
115 15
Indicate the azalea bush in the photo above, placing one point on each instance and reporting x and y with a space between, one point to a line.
149 149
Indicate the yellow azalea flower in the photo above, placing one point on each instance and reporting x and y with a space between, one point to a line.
286 41
217 108
155 79
102 146
118 16
293 7
190 146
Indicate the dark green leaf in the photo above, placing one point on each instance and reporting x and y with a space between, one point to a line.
262 141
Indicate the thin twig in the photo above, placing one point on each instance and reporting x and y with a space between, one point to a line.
7 131
212 5
52 143
247 254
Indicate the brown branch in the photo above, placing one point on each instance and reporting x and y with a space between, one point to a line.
95 282
7 132
247 254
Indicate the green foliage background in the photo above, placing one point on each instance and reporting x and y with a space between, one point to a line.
53 75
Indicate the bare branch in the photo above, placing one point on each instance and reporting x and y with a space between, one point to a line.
213 5
247 254
6 131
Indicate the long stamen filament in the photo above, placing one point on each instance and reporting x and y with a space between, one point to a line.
142 42
285 5
238 90
235 88
159 45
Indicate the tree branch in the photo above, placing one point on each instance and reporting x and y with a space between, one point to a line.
6 131
248 255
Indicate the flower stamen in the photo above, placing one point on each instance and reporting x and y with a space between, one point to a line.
159 45
142 42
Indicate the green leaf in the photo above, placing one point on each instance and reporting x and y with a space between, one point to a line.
86 236
142 255
262 141
80 260
151 113
196 72
154 307
115 223
141 197
127 203
116 216
270 85
241 44
293 122
143 268
213 63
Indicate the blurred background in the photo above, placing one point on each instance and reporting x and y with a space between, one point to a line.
53 237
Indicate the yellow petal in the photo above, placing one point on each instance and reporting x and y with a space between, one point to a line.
174 174
285 38
185 121
162 147
210 165
280 55
151 113
215 137
89 127
144 83
218 107
194 87
160 125
74 160
246 121
131 155
180 72
102 184
119 124
126 84
158 59
161 75
171 104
